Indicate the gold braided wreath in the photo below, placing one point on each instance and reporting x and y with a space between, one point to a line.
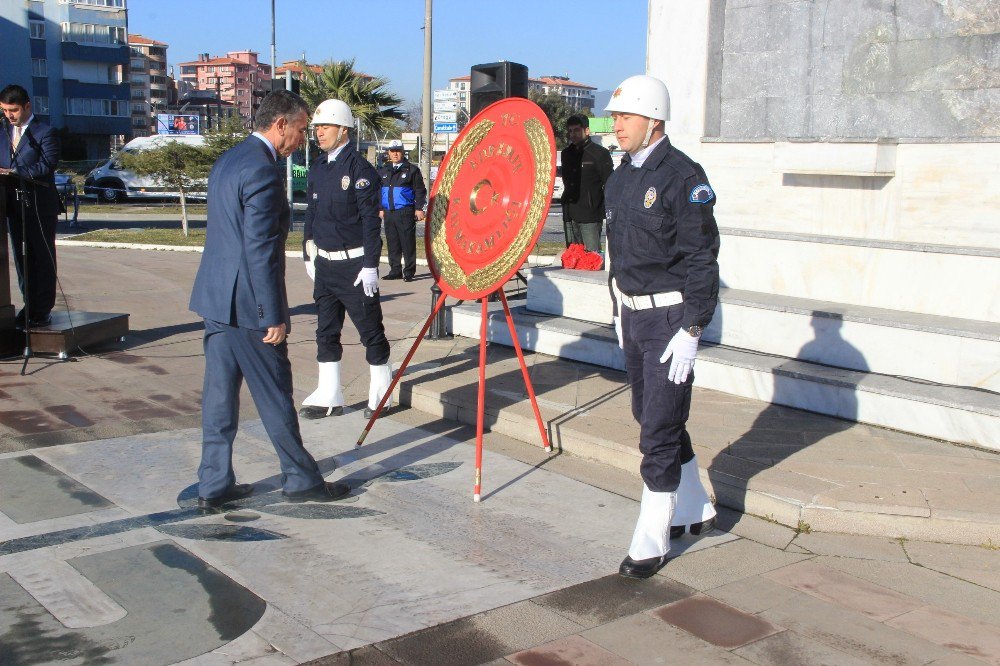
486 277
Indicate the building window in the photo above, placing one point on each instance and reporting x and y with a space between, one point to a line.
38 67
40 105
138 108
89 33
36 29
137 63
114 4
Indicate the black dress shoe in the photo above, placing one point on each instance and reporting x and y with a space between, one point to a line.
369 412
393 276
641 568
703 527
408 278
34 321
233 493
324 492
312 412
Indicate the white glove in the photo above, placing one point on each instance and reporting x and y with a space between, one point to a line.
683 348
368 279
618 332
312 250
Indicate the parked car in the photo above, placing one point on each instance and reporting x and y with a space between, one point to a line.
557 185
68 195
111 183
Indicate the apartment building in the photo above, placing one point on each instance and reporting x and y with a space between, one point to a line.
238 77
148 82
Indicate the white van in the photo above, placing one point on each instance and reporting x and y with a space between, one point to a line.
111 183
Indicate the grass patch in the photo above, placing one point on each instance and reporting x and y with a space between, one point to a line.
196 238
145 209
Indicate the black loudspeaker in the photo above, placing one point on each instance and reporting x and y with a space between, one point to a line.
279 84
494 81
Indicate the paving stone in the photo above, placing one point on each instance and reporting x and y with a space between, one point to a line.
874 601
953 631
481 637
753 595
606 599
369 655
32 490
845 545
712 567
960 504
876 498
790 649
574 650
715 622
647 641
931 587
756 529
851 633
975 564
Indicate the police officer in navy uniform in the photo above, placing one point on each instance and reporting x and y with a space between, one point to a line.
663 244
342 248
403 199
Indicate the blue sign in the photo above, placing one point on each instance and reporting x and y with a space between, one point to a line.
440 128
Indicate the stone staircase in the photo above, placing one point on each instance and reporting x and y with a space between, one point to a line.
918 369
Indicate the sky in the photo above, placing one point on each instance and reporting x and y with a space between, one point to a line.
596 42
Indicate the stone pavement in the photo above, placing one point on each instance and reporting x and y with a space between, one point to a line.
102 559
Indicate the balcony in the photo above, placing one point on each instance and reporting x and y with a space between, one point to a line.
74 88
111 54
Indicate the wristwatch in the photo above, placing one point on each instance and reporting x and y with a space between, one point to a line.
695 331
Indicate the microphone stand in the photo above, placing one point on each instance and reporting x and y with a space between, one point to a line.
22 196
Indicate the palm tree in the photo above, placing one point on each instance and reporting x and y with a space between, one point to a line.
369 98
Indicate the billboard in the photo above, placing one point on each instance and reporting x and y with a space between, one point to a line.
171 123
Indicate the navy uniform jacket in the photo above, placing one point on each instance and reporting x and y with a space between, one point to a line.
662 234
37 158
402 187
342 213
241 279
584 172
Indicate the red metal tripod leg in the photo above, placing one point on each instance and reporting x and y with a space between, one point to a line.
399 373
481 404
524 372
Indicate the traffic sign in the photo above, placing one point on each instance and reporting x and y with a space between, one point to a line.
445 127
446 117
445 94
445 106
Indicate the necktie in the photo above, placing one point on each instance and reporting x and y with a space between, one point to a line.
17 136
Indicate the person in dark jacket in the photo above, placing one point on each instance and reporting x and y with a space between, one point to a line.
240 292
342 249
404 197
585 169
30 148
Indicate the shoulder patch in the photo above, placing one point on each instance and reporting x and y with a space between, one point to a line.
361 183
701 194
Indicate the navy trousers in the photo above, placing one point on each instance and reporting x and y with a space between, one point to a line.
335 294
660 406
233 354
401 241
41 264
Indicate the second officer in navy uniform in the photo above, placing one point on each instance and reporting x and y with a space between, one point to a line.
342 247
663 246
403 199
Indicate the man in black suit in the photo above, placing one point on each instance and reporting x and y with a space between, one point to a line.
240 292
30 148
586 166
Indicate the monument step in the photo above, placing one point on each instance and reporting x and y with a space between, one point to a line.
891 342
952 413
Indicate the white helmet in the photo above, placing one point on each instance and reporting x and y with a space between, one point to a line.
333 112
643 95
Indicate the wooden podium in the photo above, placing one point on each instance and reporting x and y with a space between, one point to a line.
68 331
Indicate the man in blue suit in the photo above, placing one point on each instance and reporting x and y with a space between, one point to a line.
30 148
240 292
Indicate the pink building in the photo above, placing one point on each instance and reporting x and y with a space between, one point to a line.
238 78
